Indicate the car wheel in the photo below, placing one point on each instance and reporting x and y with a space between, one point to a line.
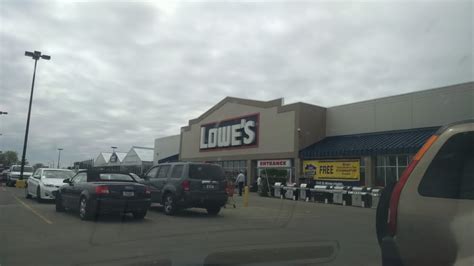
84 211
59 204
27 194
169 205
213 210
139 215
38 195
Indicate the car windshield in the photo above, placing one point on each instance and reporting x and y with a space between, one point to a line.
58 174
115 177
137 177
261 132
205 172
26 169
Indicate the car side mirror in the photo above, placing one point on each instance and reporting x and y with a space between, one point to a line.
144 177
67 181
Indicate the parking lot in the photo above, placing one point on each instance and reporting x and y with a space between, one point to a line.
268 231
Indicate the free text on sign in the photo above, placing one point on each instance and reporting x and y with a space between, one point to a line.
332 170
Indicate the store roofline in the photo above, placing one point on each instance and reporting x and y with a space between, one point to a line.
140 147
407 94
261 104
293 106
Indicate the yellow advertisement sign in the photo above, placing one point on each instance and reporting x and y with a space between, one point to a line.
332 170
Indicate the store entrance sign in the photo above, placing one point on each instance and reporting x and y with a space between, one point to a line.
332 170
237 132
274 164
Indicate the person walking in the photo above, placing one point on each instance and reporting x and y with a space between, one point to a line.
259 184
240 180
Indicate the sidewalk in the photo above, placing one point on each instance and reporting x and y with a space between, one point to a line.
299 207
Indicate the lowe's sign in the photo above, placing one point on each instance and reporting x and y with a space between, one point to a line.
239 132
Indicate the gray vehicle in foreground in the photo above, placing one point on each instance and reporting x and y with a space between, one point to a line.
187 185
427 218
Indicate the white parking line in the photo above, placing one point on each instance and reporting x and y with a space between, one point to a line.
46 220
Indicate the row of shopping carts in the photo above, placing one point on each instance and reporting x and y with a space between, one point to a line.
366 197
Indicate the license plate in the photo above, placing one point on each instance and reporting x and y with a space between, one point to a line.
128 193
209 186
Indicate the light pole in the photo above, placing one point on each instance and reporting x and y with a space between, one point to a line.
2 113
36 55
59 155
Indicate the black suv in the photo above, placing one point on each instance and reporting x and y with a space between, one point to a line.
187 185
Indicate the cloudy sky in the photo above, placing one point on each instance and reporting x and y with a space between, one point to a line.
122 74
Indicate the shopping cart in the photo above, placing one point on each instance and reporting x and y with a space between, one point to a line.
230 193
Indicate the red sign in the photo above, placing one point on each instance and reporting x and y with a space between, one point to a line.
274 163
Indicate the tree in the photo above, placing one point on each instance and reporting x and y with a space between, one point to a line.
8 158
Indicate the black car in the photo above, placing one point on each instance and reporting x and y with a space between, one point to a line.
91 193
187 185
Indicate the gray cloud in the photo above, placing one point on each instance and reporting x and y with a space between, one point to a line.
124 73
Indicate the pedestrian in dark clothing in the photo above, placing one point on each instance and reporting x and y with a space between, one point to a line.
240 180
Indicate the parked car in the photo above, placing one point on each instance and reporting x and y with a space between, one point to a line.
14 174
45 181
4 175
187 185
92 193
427 217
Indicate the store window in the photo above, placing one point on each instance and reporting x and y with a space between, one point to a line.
389 168
232 168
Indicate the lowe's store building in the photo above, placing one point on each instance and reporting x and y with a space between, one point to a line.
367 143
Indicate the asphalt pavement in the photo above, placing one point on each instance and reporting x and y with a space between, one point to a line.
268 232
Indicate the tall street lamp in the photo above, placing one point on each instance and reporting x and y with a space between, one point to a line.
36 55
59 155
2 113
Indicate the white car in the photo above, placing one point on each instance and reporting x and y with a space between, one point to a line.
45 181
14 174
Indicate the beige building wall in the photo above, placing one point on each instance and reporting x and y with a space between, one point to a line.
283 130
435 107
166 147
275 133
310 127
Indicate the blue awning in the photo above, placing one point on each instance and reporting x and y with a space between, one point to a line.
369 144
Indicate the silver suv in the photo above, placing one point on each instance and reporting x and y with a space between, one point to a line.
14 174
427 218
